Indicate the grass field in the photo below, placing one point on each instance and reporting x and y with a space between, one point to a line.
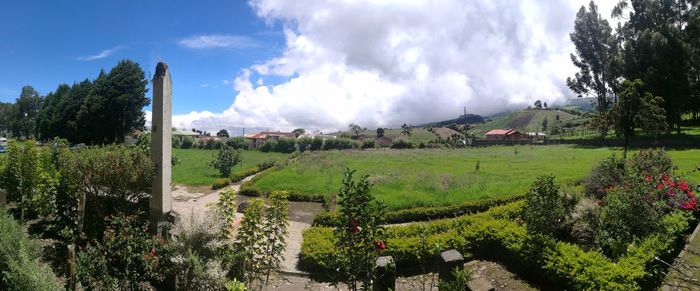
195 170
411 178
523 120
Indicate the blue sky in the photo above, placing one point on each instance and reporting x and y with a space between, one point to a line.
45 43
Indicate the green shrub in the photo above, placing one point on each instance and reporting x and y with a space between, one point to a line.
368 144
339 144
545 211
401 144
268 146
304 143
220 183
316 144
237 142
226 159
20 268
285 145
187 142
651 162
608 173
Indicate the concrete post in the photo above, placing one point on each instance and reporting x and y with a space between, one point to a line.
161 147
386 274
449 261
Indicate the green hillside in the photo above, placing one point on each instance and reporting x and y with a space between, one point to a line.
523 120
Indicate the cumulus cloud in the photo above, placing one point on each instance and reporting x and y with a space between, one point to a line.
101 55
384 63
209 41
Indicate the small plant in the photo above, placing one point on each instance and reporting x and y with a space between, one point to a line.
275 229
460 278
226 159
545 210
478 166
359 233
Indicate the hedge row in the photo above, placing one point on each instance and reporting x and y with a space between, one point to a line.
19 267
496 234
240 175
330 218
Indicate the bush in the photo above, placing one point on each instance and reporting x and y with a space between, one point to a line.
187 142
20 268
220 183
304 143
368 144
339 144
545 211
226 159
285 145
608 173
268 146
650 162
401 144
237 142
316 144
125 258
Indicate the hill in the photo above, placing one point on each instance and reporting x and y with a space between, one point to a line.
471 119
524 120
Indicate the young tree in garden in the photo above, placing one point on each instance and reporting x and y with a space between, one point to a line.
359 232
380 132
635 109
227 158
247 244
222 133
596 49
545 211
21 173
275 229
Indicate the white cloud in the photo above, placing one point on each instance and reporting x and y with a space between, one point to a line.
209 41
103 54
383 63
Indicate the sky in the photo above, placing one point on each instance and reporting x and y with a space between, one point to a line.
315 64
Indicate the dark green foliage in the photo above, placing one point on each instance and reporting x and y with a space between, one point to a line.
126 257
401 144
304 143
651 162
338 144
222 133
187 142
368 144
226 159
285 145
545 211
380 132
20 268
637 109
24 113
316 144
268 146
237 142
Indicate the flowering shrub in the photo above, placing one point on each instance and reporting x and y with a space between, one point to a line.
676 192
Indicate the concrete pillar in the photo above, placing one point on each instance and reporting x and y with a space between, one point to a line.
449 261
385 269
161 147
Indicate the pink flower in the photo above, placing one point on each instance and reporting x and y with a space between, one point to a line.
379 245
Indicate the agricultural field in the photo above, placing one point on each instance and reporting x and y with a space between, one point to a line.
417 136
412 178
195 170
523 120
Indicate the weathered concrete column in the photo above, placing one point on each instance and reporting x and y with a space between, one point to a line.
386 274
161 147
449 261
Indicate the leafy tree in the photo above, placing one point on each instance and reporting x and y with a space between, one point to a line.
222 133
636 109
275 229
359 233
538 104
380 132
596 50
226 159
5 118
25 112
545 122
355 129
247 243
545 105
298 132
405 129
21 174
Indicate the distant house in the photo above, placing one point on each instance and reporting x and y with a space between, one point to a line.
258 139
537 135
317 134
504 134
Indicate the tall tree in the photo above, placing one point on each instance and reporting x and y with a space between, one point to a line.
596 49
637 109
355 129
222 133
25 112
5 118
655 51
380 132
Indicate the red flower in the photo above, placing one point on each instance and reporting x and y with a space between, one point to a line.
647 178
683 186
660 186
379 245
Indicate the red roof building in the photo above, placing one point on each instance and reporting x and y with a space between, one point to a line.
496 134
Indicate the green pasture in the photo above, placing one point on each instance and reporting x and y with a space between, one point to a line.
412 178
195 170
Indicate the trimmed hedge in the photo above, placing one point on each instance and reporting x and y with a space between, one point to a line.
496 234
329 218
19 267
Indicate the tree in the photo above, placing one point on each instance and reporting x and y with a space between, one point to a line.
545 211
275 229
227 158
545 122
405 129
5 118
538 104
359 233
298 132
545 105
380 132
636 109
596 49
25 112
222 133
355 129
115 104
